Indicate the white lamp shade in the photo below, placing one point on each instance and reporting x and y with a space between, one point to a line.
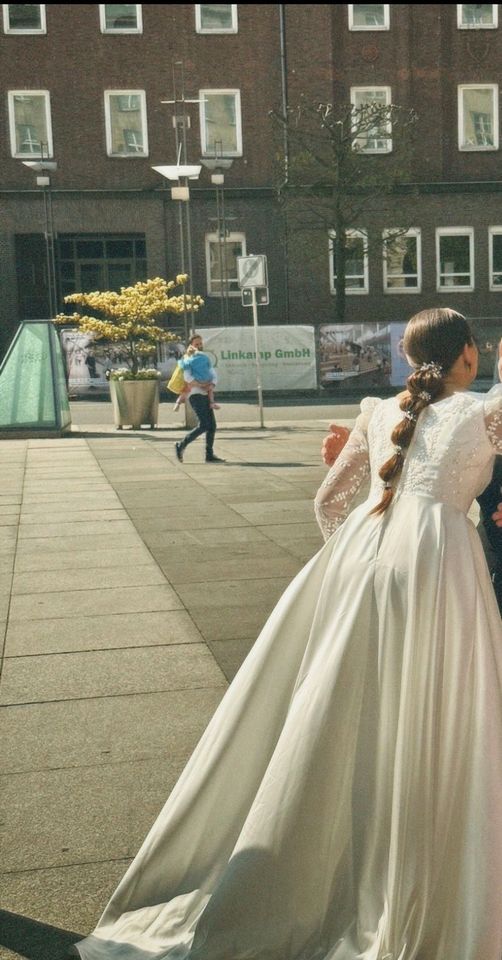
174 172
180 193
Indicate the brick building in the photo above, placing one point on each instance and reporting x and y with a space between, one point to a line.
83 86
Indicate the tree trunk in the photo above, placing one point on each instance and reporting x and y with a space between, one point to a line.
340 262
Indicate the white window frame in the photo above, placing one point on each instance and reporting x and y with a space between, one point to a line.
210 238
12 123
108 124
388 102
478 86
356 291
16 30
412 232
452 232
209 151
200 29
384 26
493 232
113 30
478 26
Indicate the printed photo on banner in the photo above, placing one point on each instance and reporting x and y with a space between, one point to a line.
355 355
88 360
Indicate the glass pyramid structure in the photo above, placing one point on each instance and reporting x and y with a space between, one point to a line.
33 392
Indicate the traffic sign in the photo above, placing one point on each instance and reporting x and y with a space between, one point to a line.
252 271
261 294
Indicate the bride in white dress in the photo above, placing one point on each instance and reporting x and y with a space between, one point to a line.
345 801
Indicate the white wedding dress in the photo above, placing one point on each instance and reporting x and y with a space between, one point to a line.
345 801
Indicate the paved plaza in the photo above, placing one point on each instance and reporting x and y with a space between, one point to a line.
131 589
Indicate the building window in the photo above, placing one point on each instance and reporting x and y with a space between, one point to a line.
478 116
120 18
455 258
126 131
369 16
402 262
495 254
216 17
30 123
220 121
88 262
221 263
24 18
477 16
356 262
371 138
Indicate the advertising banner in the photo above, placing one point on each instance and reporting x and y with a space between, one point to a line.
355 356
287 357
87 361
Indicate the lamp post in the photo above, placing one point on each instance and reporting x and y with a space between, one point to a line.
217 166
43 169
182 173
181 123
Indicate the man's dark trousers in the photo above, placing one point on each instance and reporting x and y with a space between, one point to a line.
207 422
491 535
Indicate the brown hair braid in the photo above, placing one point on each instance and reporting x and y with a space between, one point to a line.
433 341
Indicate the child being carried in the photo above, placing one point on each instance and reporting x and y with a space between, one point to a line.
201 369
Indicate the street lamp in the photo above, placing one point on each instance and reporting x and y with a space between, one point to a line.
181 192
44 168
217 166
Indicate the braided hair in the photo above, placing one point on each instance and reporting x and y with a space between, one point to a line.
433 341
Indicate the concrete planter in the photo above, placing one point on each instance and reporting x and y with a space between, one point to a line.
135 402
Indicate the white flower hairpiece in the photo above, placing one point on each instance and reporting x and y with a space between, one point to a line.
425 395
432 367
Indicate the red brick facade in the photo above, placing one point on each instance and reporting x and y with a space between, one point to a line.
278 53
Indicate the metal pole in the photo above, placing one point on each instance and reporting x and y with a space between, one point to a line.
257 354
219 228
224 278
52 251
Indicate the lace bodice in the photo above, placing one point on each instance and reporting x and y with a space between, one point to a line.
450 458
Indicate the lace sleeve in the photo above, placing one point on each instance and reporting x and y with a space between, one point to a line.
333 499
493 417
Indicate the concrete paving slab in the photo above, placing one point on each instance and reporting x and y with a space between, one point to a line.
59 581
282 533
68 528
8 509
38 545
292 511
239 533
71 898
213 517
104 730
212 569
102 632
231 622
102 673
68 502
56 516
111 809
230 654
94 602
66 560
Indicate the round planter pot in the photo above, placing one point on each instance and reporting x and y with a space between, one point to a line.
135 402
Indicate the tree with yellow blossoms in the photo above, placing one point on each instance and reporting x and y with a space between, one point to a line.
131 317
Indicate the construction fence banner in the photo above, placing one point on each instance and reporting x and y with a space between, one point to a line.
287 357
361 357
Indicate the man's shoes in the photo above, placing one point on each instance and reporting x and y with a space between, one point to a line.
179 451
211 458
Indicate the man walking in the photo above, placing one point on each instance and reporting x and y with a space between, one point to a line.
201 405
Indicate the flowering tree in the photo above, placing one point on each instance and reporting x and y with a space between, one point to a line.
131 316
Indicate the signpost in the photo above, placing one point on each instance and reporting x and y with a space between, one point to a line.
253 281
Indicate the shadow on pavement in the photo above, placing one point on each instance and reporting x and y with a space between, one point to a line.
34 940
